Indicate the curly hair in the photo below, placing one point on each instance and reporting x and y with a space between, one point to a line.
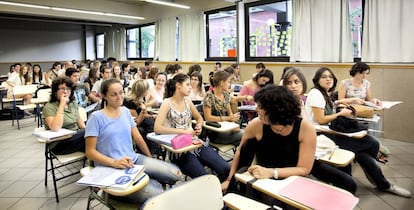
55 88
281 106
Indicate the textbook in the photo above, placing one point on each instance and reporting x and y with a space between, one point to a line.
49 135
114 178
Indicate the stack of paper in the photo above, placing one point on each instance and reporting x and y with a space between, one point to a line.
108 177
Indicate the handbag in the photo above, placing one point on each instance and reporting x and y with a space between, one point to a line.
181 140
363 111
347 125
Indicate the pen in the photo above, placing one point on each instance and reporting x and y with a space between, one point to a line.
333 151
139 179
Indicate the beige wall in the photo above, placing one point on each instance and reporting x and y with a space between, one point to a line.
389 82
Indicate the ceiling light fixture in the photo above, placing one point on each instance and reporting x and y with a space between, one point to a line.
71 10
24 5
168 4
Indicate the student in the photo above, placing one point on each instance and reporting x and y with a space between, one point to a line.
53 73
197 88
18 79
250 87
106 74
175 117
320 110
281 141
118 74
295 81
38 75
109 134
216 108
194 68
236 76
80 92
62 112
157 92
92 78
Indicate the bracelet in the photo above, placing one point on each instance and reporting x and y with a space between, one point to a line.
275 173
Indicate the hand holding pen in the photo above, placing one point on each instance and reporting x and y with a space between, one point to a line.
124 162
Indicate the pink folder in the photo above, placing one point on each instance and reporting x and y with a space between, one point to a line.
318 196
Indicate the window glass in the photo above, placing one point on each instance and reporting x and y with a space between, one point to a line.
100 39
140 42
269 29
222 33
355 15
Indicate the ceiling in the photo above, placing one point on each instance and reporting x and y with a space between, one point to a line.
17 17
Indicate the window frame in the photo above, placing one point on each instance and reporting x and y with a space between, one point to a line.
247 6
96 46
139 41
207 13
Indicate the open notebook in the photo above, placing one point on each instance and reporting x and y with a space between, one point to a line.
109 177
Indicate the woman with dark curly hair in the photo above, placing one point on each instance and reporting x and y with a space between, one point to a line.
283 143
62 112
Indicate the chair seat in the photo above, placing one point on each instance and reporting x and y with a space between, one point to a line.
70 157
235 201
26 107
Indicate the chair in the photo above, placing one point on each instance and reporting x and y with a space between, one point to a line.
21 90
202 193
42 97
63 165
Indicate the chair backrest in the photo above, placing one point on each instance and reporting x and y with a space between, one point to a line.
24 89
43 93
202 193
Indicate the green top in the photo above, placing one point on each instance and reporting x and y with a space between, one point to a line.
70 118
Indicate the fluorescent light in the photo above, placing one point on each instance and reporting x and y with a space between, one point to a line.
70 10
77 11
24 5
124 16
168 4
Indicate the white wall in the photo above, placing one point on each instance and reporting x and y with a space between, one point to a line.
34 45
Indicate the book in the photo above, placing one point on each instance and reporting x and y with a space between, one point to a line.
114 178
49 135
318 195
384 104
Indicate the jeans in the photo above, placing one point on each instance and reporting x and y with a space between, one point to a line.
75 144
339 177
366 150
225 138
193 164
158 171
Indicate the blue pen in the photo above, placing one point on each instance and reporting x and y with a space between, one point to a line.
139 179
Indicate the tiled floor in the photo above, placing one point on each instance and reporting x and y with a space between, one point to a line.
22 174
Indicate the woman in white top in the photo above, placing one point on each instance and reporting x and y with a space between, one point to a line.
157 92
320 110
22 78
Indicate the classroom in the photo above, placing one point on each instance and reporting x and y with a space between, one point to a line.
147 37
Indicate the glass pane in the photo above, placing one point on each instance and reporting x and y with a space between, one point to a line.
270 29
133 43
222 34
147 43
355 16
100 46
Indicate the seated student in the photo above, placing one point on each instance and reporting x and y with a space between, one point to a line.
157 92
62 112
216 108
197 88
38 76
109 134
320 110
281 141
295 81
137 104
81 93
175 117
106 74
18 79
250 87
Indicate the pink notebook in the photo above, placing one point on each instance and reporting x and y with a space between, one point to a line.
318 196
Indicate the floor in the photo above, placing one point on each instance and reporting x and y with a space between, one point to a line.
22 175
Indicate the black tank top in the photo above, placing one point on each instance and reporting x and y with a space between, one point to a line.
276 151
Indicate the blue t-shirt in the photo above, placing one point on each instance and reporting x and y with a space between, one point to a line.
114 134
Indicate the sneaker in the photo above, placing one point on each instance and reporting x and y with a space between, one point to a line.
399 191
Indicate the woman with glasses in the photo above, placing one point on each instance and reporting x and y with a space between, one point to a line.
321 110
197 88
157 92
62 112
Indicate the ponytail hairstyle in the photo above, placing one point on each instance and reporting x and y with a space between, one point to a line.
317 77
170 86
218 77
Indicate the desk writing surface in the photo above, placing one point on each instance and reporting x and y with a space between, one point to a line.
50 136
225 126
247 108
325 128
164 140
338 157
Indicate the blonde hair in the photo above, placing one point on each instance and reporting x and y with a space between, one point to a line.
139 88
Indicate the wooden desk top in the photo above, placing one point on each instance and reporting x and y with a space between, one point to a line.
326 129
225 126
156 138
338 157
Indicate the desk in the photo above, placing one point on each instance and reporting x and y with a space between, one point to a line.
338 157
326 129
303 193
225 127
247 108
163 139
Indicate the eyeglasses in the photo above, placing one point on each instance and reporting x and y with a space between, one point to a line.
64 89
327 76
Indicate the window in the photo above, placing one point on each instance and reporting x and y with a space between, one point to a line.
140 42
269 30
355 16
221 34
100 50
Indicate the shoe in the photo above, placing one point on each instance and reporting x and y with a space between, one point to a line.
397 190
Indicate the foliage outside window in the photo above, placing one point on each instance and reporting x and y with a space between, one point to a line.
221 34
140 42
269 29
100 39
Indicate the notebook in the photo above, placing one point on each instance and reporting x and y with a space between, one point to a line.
109 177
